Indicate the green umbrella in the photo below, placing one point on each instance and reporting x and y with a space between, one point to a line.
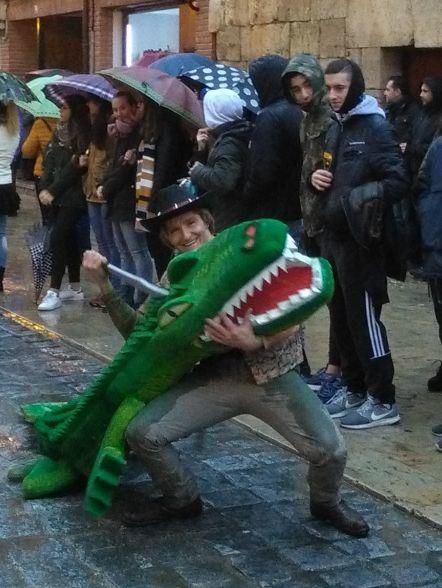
13 89
42 107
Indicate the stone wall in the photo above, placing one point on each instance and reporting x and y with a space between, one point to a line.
369 32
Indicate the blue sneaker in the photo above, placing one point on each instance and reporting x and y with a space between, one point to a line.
371 414
329 387
315 380
336 405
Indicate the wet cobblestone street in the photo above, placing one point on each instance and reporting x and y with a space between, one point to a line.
256 529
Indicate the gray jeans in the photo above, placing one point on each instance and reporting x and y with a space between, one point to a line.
224 389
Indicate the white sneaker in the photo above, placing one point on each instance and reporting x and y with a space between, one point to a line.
70 294
51 301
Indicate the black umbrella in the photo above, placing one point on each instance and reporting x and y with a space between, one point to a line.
38 242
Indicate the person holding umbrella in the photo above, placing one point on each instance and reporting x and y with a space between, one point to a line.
94 163
9 140
62 188
118 188
221 159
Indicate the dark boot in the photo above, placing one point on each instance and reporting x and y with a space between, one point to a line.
2 273
435 383
158 511
342 517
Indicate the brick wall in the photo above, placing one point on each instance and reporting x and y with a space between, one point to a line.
18 53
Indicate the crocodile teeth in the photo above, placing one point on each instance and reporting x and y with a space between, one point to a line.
305 293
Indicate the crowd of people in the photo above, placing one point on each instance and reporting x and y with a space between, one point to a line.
357 184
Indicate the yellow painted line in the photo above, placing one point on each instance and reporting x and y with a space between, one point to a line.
24 322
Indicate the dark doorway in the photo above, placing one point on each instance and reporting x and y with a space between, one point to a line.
61 43
420 63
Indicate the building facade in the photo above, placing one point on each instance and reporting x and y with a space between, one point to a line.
89 35
384 36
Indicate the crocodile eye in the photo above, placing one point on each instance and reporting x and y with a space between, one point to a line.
171 313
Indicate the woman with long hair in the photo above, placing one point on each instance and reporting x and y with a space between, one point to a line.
95 163
61 186
119 190
9 140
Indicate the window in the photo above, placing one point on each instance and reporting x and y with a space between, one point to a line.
151 31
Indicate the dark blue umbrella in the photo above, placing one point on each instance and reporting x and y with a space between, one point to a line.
224 76
177 63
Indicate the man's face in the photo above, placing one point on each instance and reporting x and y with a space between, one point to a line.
300 90
186 232
338 86
426 95
391 93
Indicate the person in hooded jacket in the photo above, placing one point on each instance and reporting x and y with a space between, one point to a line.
425 125
366 174
275 158
303 83
221 160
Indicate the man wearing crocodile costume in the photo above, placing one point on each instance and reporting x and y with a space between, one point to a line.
253 267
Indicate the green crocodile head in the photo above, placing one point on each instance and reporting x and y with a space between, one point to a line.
253 266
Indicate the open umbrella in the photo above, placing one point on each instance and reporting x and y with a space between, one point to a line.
42 107
220 75
44 73
38 242
162 89
13 89
178 63
84 84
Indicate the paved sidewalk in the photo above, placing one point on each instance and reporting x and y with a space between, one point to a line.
256 529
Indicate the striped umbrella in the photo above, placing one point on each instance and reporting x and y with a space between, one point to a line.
84 84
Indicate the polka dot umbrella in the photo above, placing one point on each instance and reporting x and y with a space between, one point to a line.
223 76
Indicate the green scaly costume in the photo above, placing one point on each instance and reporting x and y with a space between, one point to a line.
84 439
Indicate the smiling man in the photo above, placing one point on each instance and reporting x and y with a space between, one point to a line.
365 174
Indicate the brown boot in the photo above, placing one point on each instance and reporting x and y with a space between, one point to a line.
342 517
158 511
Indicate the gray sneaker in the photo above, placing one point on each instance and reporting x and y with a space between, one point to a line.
336 406
371 414
437 430
355 399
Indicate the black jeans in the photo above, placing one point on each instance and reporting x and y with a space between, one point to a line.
355 310
66 250
435 286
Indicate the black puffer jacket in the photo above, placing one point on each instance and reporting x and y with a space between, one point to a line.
275 160
402 116
224 172
119 181
62 176
366 154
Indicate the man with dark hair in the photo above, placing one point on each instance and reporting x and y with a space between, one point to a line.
426 124
365 175
401 109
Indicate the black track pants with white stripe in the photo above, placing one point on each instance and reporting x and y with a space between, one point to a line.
360 291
